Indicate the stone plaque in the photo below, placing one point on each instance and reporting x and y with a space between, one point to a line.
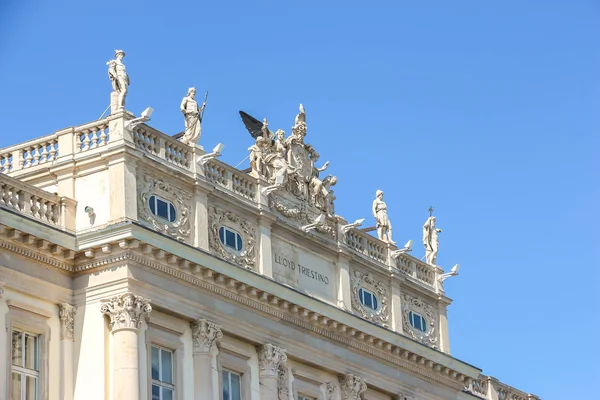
305 271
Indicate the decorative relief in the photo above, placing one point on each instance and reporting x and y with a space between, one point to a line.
417 305
269 359
329 389
218 218
365 280
353 387
66 313
204 335
126 311
299 213
147 186
404 396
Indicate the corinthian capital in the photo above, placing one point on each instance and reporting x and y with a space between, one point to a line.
126 311
66 313
352 387
204 335
269 359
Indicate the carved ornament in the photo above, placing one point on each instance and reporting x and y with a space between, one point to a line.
299 213
204 335
147 186
353 387
218 218
269 359
283 383
380 316
126 311
66 313
416 304
329 389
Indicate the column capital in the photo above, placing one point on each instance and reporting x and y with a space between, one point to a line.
204 335
269 359
126 311
66 313
353 386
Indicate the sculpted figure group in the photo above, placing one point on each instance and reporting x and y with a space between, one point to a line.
290 163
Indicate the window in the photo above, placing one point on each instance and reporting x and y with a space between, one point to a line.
231 385
162 374
417 321
162 208
368 299
25 365
230 238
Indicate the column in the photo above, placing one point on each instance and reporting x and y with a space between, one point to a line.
126 312
270 358
265 265
204 336
396 307
66 313
352 387
443 328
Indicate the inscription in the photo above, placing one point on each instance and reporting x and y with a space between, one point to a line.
301 269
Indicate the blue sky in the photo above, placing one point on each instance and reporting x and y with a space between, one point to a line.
486 110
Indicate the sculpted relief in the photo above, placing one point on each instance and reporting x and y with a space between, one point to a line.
152 194
376 309
423 330
245 254
289 164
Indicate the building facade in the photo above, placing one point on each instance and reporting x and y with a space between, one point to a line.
134 265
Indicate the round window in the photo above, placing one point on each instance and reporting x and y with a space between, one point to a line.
417 321
162 208
368 299
231 238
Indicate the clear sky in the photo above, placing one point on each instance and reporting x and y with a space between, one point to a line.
486 110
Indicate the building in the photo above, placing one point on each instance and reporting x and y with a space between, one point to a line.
134 265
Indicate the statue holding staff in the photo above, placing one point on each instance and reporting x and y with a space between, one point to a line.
384 226
193 117
430 239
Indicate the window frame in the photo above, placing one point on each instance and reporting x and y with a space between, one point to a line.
23 371
240 358
32 320
411 318
361 295
157 334
239 239
159 382
154 206
241 380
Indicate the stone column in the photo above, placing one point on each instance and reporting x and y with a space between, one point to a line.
352 387
66 313
204 336
270 357
126 312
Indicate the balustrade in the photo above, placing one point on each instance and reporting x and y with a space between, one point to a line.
91 136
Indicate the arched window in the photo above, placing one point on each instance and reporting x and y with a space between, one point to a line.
368 299
162 208
231 238
417 321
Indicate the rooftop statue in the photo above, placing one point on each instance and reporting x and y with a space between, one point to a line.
384 226
118 77
430 239
289 162
193 117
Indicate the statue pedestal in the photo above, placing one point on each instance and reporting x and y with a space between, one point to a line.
114 102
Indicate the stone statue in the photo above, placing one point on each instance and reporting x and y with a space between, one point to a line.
430 240
384 226
257 155
193 117
118 77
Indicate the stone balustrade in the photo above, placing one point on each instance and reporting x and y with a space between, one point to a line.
91 136
37 204
367 245
151 141
29 154
232 179
489 388
416 269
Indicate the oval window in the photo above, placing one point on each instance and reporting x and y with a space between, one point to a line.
231 238
368 299
162 208
417 321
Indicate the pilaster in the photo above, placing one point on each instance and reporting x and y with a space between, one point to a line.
265 259
270 358
344 284
126 312
205 335
66 313
443 327
201 218
396 307
122 181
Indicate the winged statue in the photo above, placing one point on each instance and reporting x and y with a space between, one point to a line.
255 127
